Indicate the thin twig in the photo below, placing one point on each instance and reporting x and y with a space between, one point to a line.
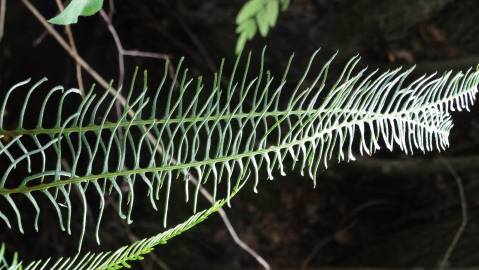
97 77
111 9
317 247
193 37
146 54
40 38
154 55
460 231
121 57
122 52
3 11
71 40
232 230
356 211
119 47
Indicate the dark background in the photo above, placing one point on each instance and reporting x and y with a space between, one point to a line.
385 211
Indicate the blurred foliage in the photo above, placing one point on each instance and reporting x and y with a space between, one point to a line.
257 15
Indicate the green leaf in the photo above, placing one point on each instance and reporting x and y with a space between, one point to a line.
242 27
75 9
263 22
262 13
248 28
240 43
272 12
284 4
249 10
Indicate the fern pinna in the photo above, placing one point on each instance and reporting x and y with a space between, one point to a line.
219 133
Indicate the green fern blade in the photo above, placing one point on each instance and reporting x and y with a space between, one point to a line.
224 135
124 256
195 164
9 264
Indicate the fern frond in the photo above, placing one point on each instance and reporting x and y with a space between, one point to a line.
9 264
257 15
126 255
221 136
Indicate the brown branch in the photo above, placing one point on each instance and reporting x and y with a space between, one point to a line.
40 38
145 54
3 11
119 48
462 227
122 52
71 40
232 231
154 55
111 10
97 77
193 37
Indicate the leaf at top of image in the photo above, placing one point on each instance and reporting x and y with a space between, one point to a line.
75 9
249 10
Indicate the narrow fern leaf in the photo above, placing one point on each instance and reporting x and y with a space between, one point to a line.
9 264
125 256
222 135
